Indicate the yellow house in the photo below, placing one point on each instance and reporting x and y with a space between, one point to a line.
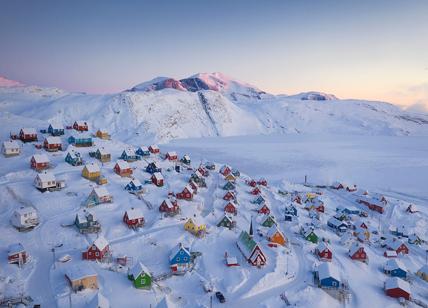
91 171
102 134
195 228
230 178
423 272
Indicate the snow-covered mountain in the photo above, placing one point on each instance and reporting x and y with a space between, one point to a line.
203 105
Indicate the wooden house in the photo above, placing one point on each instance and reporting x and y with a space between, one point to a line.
398 246
309 235
180 259
103 155
134 186
324 252
143 151
423 272
337 224
263 209
198 178
414 239
169 207
251 183
16 254
171 156
39 162
74 158
154 149
99 250
52 144
397 288
133 218
357 252
10 148
259 200
91 171
256 191
56 130
186 160
102 134
262 182
186 193
373 203
194 186
81 140
229 196
153 167
227 222
250 249
275 236
203 170
98 196
25 218
345 186
231 208
395 268
390 254
194 227
28 134
81 278
291 210
157 179
210 165
230 178
225 170
45 181
269 221
129 155
81 126
140 276
363 235
328 276
229 186
230 260
314 204
86 222
122 168
236 173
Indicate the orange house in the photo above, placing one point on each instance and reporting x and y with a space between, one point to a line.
276 236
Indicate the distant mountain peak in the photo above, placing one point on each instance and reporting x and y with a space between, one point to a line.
314 96
8 83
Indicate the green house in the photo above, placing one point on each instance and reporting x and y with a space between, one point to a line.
269 221
311 236
229 186
140 276
226 222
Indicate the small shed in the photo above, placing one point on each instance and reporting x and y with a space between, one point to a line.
134 218
17 254
81 126
140 276
396 287
154 149
122 168
103 155
52 144
169 207
39 162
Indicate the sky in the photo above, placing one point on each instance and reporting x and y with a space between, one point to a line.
354 49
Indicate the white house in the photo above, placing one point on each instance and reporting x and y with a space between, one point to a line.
44 181
10 148
25 218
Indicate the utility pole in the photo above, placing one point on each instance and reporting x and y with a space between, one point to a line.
53 256
211 301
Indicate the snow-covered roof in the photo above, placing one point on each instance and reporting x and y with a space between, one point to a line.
335 222
390 253
81 123
323 246
392 264
231 260
158 176
354 248
273 230
138 269
154 147
101 243
246 244
144 148
41 158
15 248
129 152
424 269
77 272
53 140
136 182
26 210
93 167
10 144
327 270
198 174
168 203
394 244
176 249
101 192
394 282
74 154
46 177
224 167
56 126
171 153
186 157
103 151
81 135
134 213
122 164
29 131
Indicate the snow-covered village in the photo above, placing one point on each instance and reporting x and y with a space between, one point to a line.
204 190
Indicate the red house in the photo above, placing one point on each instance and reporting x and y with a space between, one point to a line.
225 170
97 251
396 288
133 218
81 126
172 156
324 252
229 196
230 208
169 207
122 168
28 134
157 179
251 183
264 209
296 198
154 149
357 252
262 182
204 171
398 246
52 144
194 186
39 162
255 191
17 254
186 194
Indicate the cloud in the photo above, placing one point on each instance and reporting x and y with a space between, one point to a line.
421 107
413 97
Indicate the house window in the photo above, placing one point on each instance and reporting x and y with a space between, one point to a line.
97 254
143 280
334 284
185 259
178 259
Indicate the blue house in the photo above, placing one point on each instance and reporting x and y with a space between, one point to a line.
81 140
259 200
143 151
328 275
153 168
74 158
395 268
291 210
55 130
134 186
347 211
180 259
129 155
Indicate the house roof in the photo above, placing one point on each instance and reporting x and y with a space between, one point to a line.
56 126
336 222
136 182
82 135
83 216
122 164
323 246
77 272
154 146
26 210
29 131
93 167
188 187
15 248
101 243
392 264
424 269
53 140
41 158
10 144
328 270
394 244
143 148
354 248
138 269
246 244
171 153
186 157
168 203
158 176
46 177
394 282
273 230
227 217
224 167
176 249
81 123
103 151
390 253
129 152
101 192
73 154
134 213
155 164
